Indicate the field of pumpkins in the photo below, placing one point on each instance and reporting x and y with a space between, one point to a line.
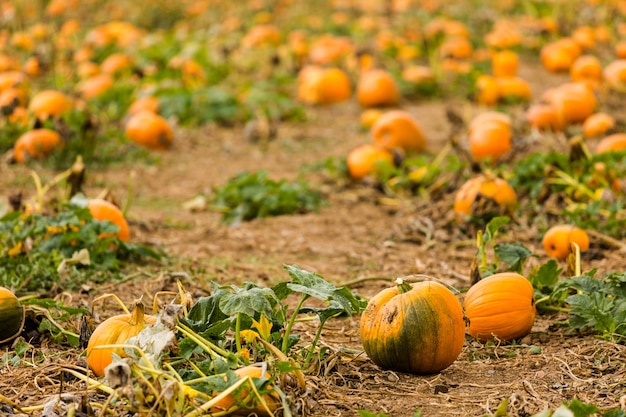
334 208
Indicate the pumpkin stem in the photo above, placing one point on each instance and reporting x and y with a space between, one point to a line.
137 315
402 286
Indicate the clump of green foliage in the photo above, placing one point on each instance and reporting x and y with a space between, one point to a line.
38 251
252 195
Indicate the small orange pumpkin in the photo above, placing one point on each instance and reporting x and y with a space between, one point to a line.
364 159
597 125
317 85
36 144
489 140
612 143
557 241
50 103
416 328
377 87
150 130
11 316
115 330
252 406
398 129
501 306
494 190
103 210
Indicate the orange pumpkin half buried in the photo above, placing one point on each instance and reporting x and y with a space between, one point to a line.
103 210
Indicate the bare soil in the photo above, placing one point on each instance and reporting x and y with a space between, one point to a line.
358 234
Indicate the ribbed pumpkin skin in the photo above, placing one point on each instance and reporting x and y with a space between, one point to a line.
114 330
500 306
420 331
11 315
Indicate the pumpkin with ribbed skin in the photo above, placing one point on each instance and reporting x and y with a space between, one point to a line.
11 316
416 328
501 306
115 330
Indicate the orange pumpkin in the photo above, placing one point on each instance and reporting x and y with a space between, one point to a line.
150 130
489 141
615 74
501 307
557 241
103 210
416 328
317 85
365 159
573 102
544 117
114 331
36 144
495 190
597 125
487 91
11 316
612 143
398 129
94 86
504 63
251 403
148 103
50 103
377 87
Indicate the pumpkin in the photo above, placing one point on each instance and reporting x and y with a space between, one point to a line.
398 129
557 241
11 316
272 400
115 330
103 210
366 159
481 196
317 85
416 328
377 87
500 306
150 130
36 144
50 103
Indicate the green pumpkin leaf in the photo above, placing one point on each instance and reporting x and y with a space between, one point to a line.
581 409
494 226
247 301
546 276
513 254
314 285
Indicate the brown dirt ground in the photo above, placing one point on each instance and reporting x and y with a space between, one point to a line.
357 235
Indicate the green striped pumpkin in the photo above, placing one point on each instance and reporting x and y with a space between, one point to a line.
11 316
418 328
